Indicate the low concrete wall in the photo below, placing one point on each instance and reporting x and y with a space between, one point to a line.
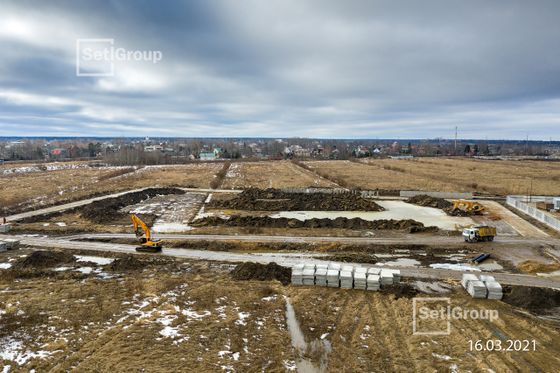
518 203
412 193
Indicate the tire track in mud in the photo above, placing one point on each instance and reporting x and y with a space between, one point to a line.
474 330
389 334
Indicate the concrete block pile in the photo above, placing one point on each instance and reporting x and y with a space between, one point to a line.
344 276
494 288
485 287
9 244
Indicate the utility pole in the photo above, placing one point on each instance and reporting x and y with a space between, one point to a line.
456 129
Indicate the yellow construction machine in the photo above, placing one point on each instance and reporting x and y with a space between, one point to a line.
143 233
470 207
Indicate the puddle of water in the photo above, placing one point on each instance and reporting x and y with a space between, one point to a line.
298 342
394 210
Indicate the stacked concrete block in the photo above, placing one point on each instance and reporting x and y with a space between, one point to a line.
494 290
321 276
333 275
3 246
360 278
297 274
467 277
396 275
347 277
309 274
386 277
487 278
373 282
477 289
374 271
12 243
5 228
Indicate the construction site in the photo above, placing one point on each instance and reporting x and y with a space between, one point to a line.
308 266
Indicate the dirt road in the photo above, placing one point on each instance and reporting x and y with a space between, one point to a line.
286 259
409 239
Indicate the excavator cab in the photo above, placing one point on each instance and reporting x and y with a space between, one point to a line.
147 245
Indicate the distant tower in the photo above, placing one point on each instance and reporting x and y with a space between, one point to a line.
456 129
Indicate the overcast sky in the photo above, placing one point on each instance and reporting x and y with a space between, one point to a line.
342 69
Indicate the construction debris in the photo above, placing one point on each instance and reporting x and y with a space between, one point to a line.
278 200
262 272
340 222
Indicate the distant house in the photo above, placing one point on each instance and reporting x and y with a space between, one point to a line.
153 148
207 155
58 152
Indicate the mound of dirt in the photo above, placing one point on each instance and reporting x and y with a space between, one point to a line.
536 300
532 266
127 263
350 258
262 272
355 223
400 290
277 200
108 210
428 201
44 259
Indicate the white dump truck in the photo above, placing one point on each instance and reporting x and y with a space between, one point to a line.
479 233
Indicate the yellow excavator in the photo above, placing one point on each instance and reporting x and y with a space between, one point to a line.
147 245
470 207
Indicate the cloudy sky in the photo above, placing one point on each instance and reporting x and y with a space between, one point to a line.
343 69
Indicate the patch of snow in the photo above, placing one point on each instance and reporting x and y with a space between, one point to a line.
170 227
5 265
84 270
194 315
242 316
94 259
441 357
170 332
454 267
12 350
270 298
61 224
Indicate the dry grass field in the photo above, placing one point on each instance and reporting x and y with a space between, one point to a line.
21 191
171 315
272 174
446 174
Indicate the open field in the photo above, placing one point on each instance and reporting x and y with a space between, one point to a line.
271 174
167 313
23 191
446 175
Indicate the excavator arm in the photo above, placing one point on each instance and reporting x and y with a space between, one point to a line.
140 228
142 231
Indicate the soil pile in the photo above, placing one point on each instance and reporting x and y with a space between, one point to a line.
532 299
127 263
44 259
262 272
277 200
428 201
108 210
400 290
355 223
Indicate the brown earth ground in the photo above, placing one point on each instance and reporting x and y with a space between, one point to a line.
39 189
173 315
445 175
272 174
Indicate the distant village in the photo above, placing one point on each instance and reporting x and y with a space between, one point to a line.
159 151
